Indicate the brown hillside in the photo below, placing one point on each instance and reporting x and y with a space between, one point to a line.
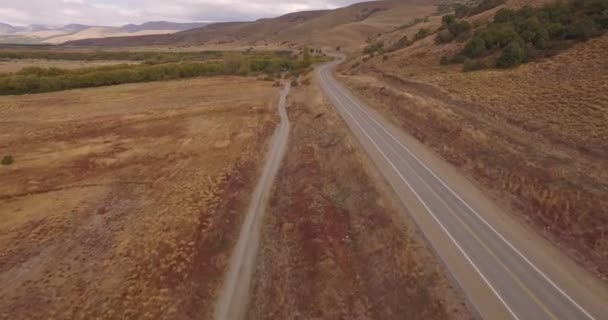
535 136
349 27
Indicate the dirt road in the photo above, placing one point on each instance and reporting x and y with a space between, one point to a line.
232 302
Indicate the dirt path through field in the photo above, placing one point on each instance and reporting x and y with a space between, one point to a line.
232 302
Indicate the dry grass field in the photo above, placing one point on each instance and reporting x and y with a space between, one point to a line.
334 243
535 136
124 202
8 66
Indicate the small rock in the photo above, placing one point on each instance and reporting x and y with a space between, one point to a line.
329 142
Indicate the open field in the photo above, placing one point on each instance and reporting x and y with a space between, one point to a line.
534 136
334 242
124 202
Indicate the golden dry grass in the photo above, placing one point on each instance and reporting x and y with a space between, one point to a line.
125 201
334 245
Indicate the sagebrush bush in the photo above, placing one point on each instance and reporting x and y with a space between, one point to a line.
7 160
374 48
422 33
512 55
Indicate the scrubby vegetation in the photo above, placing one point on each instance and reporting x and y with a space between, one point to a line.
518 36
400 44
422 33
376 47
157 57
7 160
452 28
36 80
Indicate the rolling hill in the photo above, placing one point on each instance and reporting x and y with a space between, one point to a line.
348 27
36 34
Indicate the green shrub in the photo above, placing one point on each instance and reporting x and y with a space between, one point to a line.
460 29
448 20
444 36
374 47
512 55
444 61
475 48
498 35
583 29
294 83
504 15
541 39
422 33
7 160
400 44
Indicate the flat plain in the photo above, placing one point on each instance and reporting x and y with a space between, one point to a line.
125 201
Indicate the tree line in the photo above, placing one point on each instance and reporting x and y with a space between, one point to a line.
37 80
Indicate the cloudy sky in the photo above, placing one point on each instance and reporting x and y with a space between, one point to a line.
119 12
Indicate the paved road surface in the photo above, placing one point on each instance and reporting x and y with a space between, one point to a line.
499 280
234 294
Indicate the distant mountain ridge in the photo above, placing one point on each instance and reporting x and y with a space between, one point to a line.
36 33
348 27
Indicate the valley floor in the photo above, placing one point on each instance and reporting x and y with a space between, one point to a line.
124 202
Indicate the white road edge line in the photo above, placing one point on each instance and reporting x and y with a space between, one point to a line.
470 208
427 208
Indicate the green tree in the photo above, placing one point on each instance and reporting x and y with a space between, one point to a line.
541 39
512 55
584 29
475 48
504 15
460 29
448 20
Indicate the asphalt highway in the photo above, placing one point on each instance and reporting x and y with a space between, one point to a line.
500 280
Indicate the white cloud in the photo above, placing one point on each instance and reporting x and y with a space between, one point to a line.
118 12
